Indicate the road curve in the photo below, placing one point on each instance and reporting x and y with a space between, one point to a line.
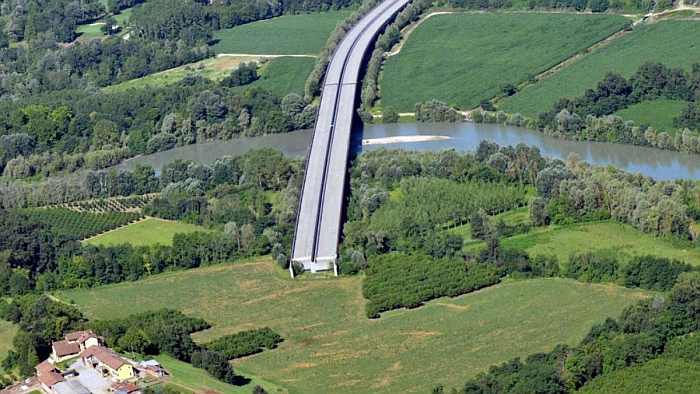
321 203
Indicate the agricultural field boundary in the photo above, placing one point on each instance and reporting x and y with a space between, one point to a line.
126 225
266 56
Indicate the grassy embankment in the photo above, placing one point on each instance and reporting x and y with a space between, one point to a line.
466 57
672 42
149 231
330 346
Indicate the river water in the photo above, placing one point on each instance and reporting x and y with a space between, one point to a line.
657 163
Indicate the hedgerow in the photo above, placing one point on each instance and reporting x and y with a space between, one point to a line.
245 343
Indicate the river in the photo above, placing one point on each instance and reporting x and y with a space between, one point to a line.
657 163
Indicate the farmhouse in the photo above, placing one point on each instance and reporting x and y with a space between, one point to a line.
63 350
72 344
107 362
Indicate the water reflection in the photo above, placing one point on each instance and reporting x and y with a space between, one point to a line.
657 163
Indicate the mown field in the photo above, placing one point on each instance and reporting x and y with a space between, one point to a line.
184 375
284 35
150 231
658 114
215 69
621 239
464 58
672 42
281 75
7 332
330 346
662 375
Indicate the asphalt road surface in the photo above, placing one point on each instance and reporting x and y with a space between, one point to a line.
320 210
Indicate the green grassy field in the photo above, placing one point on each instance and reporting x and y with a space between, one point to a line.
215 69
7 332
93 30
284 35
281 75
464 58
512 218
150 231
658 114
623 239
330 346
672 42
662 375
199 381
90 31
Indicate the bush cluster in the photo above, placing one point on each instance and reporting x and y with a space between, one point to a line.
245 343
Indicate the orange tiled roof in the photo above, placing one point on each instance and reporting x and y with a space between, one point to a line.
65 348
105 356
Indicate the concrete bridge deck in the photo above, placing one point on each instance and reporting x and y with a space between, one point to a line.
321 204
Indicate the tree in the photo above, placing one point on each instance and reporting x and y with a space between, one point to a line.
245 74
480 226
134 341
599 5
390 116
509 89
110 26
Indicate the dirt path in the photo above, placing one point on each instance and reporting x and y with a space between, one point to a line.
119 228
261 55
406 32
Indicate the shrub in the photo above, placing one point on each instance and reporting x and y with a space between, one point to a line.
593 267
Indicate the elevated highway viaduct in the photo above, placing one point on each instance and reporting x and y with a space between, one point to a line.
319 219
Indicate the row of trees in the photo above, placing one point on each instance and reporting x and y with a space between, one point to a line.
652 81
245 343
647 272
590 117
398 280
313 81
